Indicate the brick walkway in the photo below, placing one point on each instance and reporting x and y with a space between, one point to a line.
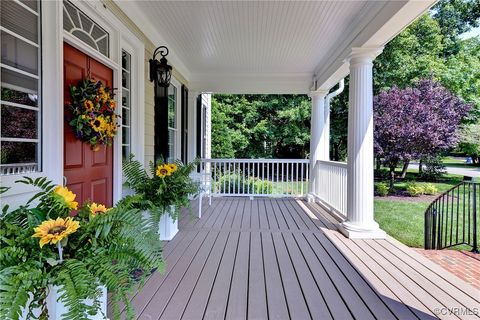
463 264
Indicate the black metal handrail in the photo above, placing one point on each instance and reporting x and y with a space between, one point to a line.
452 218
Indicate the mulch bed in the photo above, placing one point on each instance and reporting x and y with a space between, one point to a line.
401 195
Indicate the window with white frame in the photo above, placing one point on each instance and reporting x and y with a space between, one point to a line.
20 103
172 123
126 104
82 27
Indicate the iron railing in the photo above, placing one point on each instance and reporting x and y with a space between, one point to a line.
452 219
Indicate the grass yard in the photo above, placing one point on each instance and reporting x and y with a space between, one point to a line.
402 220
402 217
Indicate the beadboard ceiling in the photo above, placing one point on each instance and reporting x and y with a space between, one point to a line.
282 42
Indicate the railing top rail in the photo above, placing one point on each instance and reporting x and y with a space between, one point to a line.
257 160
333 163
26 164
445 193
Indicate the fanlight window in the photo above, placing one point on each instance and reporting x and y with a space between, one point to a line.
82 27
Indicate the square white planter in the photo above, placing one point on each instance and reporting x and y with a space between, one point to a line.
56 308
168 227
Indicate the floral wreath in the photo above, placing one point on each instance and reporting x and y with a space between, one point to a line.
93 113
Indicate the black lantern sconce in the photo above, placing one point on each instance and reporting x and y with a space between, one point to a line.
160 71
160 75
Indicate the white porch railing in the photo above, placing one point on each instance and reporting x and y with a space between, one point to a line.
256 177
331 185
17 168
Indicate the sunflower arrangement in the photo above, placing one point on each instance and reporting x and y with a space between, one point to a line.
94 120
165 185
58 242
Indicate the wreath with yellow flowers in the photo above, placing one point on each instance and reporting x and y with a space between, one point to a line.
93 113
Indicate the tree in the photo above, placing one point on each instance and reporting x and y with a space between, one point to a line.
470 142
454 18
414 54
416 122
338 124
222 146
260 126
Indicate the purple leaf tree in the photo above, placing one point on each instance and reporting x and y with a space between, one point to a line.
417 122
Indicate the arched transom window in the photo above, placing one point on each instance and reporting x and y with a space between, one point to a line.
82 27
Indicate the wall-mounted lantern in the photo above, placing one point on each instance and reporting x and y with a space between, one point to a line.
160 75
160 71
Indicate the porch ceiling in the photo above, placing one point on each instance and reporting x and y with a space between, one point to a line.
267 46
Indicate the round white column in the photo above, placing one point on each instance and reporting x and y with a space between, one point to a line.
360 221
317 145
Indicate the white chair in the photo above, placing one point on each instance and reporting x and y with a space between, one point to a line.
205 180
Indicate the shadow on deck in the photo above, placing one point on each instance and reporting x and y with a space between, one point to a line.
284 259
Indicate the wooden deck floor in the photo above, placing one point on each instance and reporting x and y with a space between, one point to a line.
283 259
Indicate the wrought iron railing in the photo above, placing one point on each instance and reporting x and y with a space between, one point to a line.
452 219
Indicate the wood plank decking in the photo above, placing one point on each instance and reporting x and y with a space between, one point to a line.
284 259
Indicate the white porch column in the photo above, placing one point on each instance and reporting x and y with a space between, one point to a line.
317 144
360 221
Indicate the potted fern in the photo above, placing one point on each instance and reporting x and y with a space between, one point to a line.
161 192
58 259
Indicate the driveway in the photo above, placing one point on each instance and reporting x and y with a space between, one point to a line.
469 172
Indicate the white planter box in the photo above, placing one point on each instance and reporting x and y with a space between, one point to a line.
56 309
168 227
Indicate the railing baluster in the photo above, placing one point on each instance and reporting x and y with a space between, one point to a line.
458 208
451 219
302 178
475 235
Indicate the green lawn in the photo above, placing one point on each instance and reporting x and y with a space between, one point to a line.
402 220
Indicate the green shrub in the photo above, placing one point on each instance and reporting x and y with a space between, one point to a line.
414 189
235 184
382 189
433 169
429 189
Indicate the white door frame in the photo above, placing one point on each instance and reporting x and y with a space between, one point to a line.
120 37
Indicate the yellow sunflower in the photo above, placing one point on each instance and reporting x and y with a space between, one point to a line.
96 208
163 171
52 231
67 196
88 105
172 167
98 124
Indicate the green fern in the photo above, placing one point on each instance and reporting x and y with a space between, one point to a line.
105 250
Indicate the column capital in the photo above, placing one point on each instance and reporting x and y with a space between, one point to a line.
364 54
318 93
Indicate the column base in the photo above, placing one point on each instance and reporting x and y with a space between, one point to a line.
311 197
355 231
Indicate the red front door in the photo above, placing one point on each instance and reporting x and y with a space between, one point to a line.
88 173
